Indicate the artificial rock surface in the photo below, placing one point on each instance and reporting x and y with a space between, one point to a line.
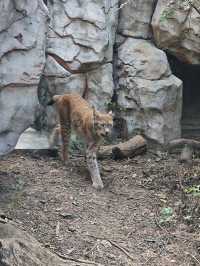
22 58
73 52
149 96
176 29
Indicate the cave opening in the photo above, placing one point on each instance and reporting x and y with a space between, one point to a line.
190 75
45 2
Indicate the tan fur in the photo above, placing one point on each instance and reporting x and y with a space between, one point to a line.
91 125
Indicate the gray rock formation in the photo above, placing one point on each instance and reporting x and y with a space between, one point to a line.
80 47
80 50
22 57
78 43
149 96
176 28
135 18
19 248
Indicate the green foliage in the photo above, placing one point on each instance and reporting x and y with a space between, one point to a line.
167 14
194 190
166 215
169 11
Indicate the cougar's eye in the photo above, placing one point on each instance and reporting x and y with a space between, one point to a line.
97 125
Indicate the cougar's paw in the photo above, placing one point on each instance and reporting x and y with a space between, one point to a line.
98 186
65 160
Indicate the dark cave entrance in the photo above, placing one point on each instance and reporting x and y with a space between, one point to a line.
190 75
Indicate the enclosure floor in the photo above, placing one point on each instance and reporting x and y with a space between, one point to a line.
125 224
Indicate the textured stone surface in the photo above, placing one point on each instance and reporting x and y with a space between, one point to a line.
176 28
22 58
79 58
80 49
100 86
149 96
135 18
82 32
19 248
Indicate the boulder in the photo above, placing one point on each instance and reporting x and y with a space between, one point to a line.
176 29
149 96
135 18
22 55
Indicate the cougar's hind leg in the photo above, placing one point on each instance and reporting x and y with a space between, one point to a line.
91 159
65 128
54 138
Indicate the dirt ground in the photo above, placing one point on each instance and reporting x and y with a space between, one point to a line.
148 213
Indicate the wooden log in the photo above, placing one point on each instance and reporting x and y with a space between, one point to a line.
180 143
187 146
186 155
134 146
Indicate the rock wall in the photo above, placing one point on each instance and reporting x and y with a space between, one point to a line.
23 28
149 96
73 52
80 50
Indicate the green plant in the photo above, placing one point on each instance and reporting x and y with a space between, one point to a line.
166 215
194 190
167 14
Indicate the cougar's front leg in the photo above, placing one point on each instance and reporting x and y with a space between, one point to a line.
91 158
65 133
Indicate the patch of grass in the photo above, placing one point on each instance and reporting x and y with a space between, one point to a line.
193 190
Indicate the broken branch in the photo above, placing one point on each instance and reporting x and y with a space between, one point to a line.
132 147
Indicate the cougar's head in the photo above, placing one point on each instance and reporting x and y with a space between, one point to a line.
103 123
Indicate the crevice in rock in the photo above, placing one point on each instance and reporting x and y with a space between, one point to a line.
44 97
111 8
45 2
189 74
85 21
150 25
86 88
21 16
72 38
120 130
66 65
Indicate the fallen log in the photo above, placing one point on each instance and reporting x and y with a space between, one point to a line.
128 149
187 146
180 143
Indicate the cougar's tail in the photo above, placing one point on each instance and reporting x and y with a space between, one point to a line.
54 99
